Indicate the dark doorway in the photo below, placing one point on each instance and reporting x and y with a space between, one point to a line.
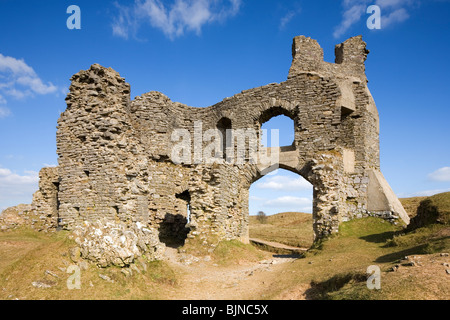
173 230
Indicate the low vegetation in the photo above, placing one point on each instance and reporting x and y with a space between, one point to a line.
35 265
414 262
289 228
235 252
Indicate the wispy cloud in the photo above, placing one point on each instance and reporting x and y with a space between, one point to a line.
173 20
284 183
4 112
290 203
16 188
19 80
442 174
424 193
353 11
7 177
49 165
288 17
392 11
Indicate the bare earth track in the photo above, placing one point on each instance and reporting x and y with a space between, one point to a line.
202 280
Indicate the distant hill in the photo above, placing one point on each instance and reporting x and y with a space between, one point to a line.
290 228
430 210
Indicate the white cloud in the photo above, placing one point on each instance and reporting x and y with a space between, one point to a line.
49 165
424 193
442 174
19 80
285 183
384 4
291 203
35 84
16 188
9 178
4 112
398 15
392 11
256 198
10 64
175 19
354 10
287 18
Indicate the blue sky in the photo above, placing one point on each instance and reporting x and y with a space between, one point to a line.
198 52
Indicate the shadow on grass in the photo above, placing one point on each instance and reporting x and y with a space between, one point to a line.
394 256
289 256
431 246
321 290
379 237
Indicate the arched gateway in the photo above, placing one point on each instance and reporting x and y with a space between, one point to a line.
163 163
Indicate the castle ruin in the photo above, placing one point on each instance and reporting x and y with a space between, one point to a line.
115 155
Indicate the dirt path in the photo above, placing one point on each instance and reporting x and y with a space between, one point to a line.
203 280
278 246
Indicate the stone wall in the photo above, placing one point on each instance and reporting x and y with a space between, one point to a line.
116 155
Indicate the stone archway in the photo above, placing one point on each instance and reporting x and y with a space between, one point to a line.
126 147
285 198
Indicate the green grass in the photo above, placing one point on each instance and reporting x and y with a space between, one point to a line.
429 232
334 269
434 209
234 251
385 245
27 256
290 228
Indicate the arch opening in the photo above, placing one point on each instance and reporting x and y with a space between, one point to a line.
280 119
286 199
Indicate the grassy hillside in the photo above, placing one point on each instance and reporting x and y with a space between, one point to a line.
34 265
434 209
413 263
290 228
338 269
411 204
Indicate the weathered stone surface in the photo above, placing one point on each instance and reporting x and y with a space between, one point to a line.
14 217
109 243
116 155
42 214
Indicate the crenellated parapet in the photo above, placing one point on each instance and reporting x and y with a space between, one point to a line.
307 56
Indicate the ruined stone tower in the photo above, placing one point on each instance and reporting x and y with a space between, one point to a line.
116 155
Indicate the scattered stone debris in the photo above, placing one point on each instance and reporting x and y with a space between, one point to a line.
394 268
51 274
83 265
106 278
109 243
43 284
